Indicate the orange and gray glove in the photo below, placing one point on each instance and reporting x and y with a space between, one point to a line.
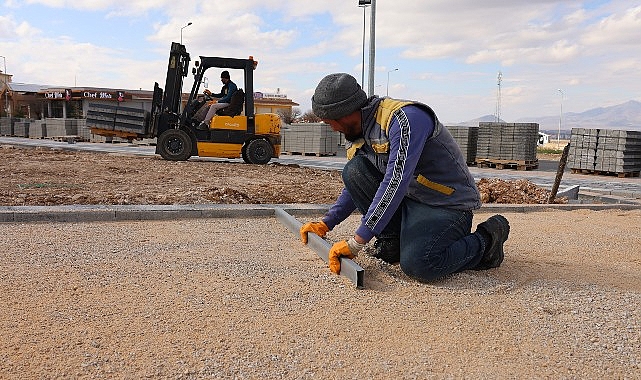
319 228
346 248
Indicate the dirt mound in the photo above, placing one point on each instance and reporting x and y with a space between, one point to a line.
41 176
519 191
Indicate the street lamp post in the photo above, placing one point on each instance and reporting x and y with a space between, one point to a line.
372 47
181 32
558 136
387 91
363 4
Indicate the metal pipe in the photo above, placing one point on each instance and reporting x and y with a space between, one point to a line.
349 268
372 48
363 61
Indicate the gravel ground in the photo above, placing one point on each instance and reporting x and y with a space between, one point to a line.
242 298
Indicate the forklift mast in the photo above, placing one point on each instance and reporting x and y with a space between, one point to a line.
177 69
166 105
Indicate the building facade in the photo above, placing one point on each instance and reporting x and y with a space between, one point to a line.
32 101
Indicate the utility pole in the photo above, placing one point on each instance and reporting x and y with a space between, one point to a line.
499 79
558 136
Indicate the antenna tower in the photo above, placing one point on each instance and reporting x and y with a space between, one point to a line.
498 97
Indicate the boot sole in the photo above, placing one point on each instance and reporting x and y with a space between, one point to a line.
497 257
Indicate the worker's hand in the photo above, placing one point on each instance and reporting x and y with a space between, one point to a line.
319 228
348 249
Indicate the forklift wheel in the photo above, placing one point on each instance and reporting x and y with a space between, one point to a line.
258 152
174 145
243 153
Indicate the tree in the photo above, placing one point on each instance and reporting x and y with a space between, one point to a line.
289 115
309 117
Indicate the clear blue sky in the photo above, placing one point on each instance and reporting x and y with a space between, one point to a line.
448 53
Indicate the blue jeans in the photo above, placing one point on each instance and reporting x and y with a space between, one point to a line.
434 241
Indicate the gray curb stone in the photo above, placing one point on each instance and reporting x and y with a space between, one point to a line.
113 213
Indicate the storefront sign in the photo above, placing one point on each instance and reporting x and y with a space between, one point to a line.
54 95
68 94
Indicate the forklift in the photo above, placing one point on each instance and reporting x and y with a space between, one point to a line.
253 137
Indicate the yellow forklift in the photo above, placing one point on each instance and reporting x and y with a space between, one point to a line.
255 138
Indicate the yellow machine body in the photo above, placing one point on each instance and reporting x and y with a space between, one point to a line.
266 125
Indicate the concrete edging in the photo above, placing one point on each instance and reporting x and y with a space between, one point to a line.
112 213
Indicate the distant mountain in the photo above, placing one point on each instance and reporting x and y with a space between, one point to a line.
626 116
475 122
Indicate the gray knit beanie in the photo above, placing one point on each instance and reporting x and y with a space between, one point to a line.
337 95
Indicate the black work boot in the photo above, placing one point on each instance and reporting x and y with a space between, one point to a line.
387 249
202 127
494 232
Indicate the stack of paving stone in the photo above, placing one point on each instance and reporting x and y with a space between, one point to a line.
605 151
84 133
467 140
6 126
61 127
507 143
37 129
117 118
21 128
309 138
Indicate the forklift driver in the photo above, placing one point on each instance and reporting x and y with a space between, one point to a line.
226 92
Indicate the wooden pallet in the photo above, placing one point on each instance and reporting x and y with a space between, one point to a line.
317 154
108 133
508 164
70 139
606 173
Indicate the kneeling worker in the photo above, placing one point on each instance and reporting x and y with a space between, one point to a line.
409 179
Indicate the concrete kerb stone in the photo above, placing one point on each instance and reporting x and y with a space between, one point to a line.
110 213
107 213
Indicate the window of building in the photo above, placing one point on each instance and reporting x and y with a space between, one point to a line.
56 109
74 109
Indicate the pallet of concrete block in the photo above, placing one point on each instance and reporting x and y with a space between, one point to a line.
21 128
507 145
83 131
309 139
117 118
582 153
467 140
605 152
58 128
37 129
6 126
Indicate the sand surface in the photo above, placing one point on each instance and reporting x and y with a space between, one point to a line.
244 299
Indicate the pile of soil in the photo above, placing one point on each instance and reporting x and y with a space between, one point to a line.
518 191
46 177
